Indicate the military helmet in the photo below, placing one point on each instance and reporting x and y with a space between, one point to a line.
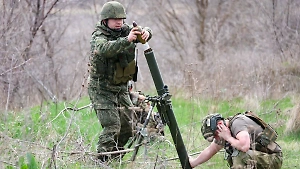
209 126
112 9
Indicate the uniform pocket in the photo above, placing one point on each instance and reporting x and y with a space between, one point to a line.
118 74
130 69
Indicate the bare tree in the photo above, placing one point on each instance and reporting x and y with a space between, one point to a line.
30 41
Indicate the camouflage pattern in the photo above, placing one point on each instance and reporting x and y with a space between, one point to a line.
116 119
206 130
111 56
257 156
255 160
155 126
112 9
252 159
110 50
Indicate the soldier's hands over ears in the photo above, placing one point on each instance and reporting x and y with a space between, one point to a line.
223 131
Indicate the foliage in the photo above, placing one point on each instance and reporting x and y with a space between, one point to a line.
222 49
67 139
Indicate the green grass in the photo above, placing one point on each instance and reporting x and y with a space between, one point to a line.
74 134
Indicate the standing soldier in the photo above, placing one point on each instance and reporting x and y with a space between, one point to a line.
112 65
248 141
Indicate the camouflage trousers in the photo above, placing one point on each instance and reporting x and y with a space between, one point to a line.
253 159
116 119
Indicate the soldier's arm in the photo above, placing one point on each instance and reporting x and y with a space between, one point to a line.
240 142
109 49
206 154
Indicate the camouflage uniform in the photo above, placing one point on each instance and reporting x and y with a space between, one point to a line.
257 157
112 65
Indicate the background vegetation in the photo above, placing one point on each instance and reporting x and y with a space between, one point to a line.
57 137
215 56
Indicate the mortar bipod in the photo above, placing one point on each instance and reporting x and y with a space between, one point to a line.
142 132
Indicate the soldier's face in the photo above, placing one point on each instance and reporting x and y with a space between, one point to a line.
115 23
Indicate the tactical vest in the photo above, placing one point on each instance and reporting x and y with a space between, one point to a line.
265 141
116 70
123 75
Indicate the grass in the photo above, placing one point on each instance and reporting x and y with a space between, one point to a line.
74 134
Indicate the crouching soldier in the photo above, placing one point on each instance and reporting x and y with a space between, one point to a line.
248 141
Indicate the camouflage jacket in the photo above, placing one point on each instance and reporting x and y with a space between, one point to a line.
111 52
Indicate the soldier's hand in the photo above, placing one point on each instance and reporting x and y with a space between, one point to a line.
133 34
142 97
192 162
145 35
223 131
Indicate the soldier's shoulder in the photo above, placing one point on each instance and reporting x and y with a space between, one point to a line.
98 34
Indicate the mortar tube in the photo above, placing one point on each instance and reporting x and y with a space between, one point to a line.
172 123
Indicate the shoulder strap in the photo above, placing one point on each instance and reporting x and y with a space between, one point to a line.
256 119
231 119
268 131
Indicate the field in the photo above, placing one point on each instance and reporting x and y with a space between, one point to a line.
216 56
52 138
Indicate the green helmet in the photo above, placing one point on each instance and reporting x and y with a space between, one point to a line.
209 126
112 9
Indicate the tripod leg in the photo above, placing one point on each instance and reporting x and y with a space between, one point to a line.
142 133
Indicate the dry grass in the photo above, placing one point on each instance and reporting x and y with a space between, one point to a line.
248 56
293 125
